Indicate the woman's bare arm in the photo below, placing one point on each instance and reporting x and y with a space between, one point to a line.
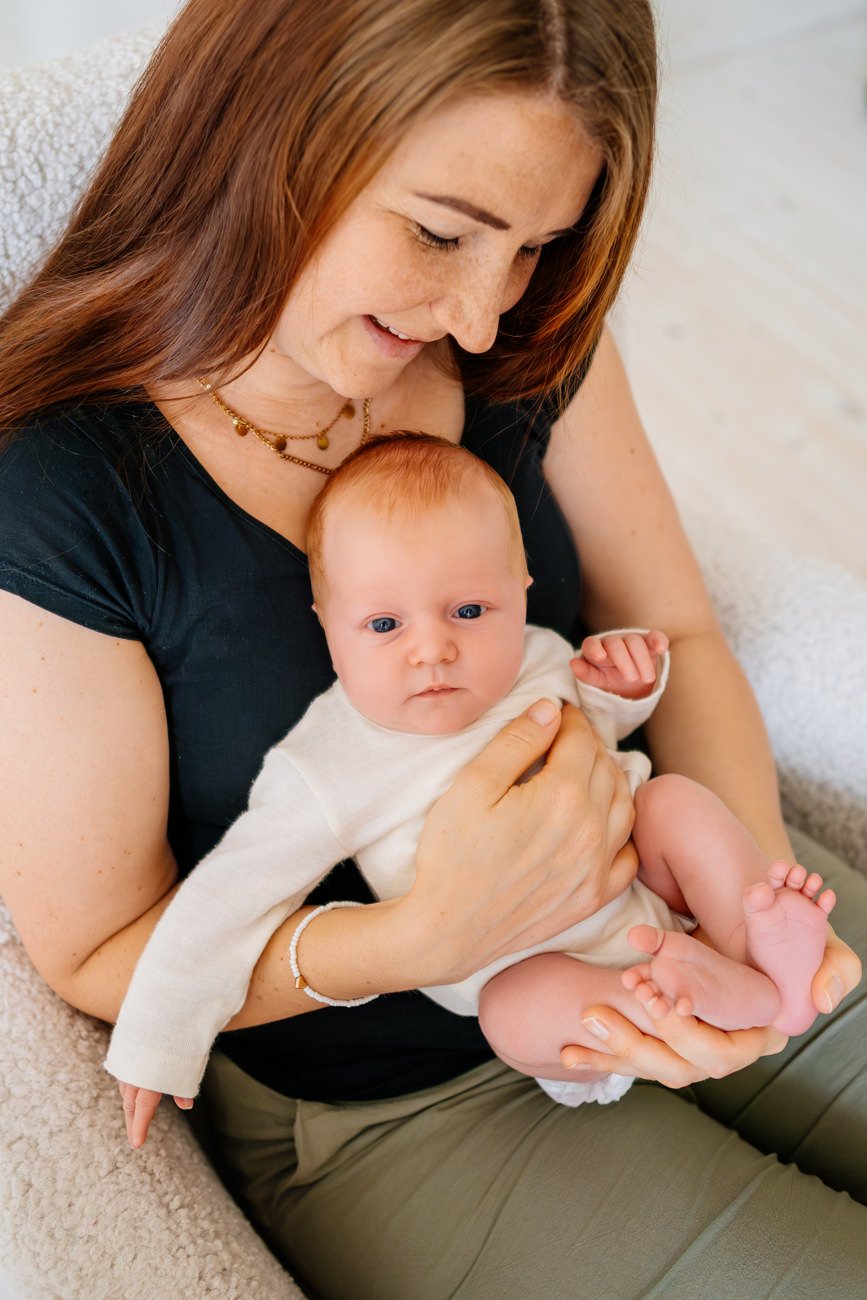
639 570
84 777
86 869
85 865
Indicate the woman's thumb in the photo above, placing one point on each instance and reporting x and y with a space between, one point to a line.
543 712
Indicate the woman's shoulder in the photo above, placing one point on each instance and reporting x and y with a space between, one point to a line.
73 538
83 435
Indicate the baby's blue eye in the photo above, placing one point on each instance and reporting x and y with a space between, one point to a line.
470 611
382 624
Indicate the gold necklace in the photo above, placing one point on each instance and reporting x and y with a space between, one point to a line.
276 442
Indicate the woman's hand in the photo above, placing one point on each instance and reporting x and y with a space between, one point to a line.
838 975
686 1051
502 866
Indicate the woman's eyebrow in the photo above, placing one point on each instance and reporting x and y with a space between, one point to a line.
468 209
478 214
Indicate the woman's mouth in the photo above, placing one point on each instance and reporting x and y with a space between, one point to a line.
407 338
392 342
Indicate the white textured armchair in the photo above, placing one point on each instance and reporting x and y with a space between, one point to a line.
80 1215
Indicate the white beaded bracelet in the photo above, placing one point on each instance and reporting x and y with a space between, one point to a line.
300 981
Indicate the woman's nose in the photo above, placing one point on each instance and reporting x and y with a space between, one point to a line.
470 311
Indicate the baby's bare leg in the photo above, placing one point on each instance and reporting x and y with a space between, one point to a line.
769 917
697 856
530 1011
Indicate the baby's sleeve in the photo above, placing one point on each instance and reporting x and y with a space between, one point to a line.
194 973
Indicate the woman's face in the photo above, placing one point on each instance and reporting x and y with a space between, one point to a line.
441 242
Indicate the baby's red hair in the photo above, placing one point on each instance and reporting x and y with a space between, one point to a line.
406 473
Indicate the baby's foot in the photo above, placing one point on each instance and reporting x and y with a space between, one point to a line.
692 979
786 920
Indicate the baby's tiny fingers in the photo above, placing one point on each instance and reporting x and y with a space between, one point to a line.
146 1102
657 642
593 648
641 657
621 656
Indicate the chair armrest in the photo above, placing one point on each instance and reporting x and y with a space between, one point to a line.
798 625
80 1213
55 121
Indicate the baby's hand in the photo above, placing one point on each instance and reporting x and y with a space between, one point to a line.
624 664
139 1107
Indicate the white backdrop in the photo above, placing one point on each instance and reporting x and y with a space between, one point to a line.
32 31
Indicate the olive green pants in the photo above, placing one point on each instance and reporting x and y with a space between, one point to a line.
484 1189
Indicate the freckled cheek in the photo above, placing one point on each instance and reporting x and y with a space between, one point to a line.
407 286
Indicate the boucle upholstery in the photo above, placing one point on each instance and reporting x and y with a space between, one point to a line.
55 119
80 1214
798 625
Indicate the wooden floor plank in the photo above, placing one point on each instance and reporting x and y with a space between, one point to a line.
745 322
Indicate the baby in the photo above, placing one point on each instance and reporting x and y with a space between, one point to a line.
420 579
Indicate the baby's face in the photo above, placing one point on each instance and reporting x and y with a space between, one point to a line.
424 616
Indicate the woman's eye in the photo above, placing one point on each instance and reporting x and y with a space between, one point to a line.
525 253
382 624
434 241
470 611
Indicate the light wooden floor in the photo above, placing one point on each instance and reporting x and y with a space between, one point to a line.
745 323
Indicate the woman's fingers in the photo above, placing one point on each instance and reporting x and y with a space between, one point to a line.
687 1051
510 754
512 864
578 750
623 871
838 975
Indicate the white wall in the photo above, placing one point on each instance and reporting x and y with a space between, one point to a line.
692 30
32 31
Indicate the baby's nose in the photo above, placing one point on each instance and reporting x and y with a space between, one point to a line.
433 645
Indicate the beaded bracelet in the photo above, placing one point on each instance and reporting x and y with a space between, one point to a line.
300 981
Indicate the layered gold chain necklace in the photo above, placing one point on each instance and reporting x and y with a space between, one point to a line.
278 442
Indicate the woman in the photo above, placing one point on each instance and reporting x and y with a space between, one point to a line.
316 221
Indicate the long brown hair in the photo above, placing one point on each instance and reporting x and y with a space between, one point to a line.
254 127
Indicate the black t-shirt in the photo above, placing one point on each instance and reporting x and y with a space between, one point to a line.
107 519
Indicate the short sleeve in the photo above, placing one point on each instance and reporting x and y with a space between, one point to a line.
72 537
